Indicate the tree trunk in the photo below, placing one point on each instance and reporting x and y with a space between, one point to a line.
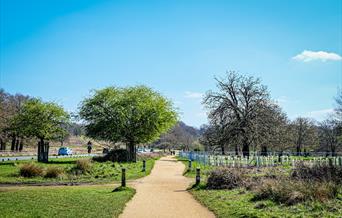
236 150
132 157
2 144
17 145
333 151
43 151
222 150
263 151
21 144
245 148
13 143
298 148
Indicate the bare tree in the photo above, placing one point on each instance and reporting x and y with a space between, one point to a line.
10 105
305 134
338 108
329 132
270 129
238 103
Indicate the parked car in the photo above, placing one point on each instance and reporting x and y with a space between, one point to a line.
64 151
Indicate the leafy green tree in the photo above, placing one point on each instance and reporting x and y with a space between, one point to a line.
131 115
41 120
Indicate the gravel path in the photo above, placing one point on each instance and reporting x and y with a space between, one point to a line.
163 194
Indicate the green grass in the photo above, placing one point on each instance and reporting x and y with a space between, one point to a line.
100 172
63 201
237 203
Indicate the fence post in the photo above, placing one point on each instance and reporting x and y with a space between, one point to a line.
144 166
198 176
123 177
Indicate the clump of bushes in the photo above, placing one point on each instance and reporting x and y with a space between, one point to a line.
154 155
114 155
291 192
225 178
53 172
30 170
320 173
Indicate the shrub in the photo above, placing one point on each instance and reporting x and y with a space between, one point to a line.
225 178
30 170
53 172
291 192
320 173
147 156
114 155
83 165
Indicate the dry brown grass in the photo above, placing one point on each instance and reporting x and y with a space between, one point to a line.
30 170
54 172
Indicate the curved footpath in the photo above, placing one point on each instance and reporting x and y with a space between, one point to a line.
163 194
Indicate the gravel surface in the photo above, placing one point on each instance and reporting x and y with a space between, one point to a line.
163 194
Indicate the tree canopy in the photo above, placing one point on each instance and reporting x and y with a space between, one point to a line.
241 106
43 120
132 115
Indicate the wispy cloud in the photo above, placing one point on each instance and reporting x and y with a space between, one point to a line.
189 94
320 114
307 56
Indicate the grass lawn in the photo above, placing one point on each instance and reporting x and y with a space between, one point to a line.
238 202
100 172
77 201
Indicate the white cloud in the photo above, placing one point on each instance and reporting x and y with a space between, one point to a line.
320 114
307 56
193 94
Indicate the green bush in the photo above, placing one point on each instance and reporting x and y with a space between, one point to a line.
30 170
54 172
225 178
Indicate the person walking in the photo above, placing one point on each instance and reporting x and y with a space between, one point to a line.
90 147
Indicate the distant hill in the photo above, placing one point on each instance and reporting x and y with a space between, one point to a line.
181 135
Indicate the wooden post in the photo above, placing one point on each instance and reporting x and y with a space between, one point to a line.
198 176
190 164
123 177
144 166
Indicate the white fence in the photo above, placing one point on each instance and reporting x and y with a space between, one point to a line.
257 160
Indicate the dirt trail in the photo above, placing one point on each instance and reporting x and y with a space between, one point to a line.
163 194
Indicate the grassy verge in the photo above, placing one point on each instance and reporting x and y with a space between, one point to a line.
77 201
239 202
99 173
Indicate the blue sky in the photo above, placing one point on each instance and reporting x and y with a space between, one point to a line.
60 50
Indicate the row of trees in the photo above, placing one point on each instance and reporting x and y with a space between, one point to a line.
23 118
131 115
181 136
243 117
10 105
